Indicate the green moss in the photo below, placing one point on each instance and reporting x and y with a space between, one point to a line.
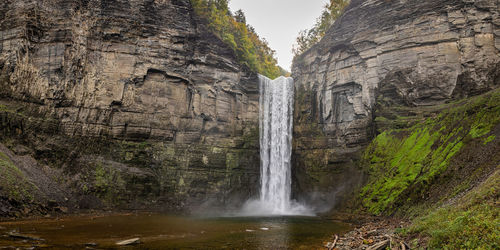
102 179
251 138
473 223
489 139
13 182
10 108
108 184
403 162
232 161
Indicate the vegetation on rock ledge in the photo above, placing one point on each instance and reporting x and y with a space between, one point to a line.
13 181
249 48
307 38
442 172
403 162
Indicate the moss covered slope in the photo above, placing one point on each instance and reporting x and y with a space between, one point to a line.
472 222
439 168
405 163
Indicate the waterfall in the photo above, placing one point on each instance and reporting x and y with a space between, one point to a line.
276 121
276 128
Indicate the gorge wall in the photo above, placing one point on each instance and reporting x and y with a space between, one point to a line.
135 101
379 55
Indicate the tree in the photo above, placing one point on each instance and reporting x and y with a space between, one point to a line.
240 16
307 38
249 48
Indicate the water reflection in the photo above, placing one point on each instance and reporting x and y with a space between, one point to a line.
167 232
280 238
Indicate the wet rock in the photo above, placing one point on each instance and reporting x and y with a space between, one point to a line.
91 244
147 73
52 204
372 51
26 211
61 209
22 150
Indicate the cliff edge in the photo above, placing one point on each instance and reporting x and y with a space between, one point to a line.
135 101
384 54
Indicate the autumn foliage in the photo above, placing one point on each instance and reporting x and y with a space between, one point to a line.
250 49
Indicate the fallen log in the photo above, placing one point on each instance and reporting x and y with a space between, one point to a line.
379 246
390 241
403 247
334 243
406 245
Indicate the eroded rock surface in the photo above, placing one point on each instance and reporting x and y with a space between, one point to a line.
135 71
413 53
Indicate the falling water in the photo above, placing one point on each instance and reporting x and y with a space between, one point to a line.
276 121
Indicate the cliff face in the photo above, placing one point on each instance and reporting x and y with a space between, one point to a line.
144 76
380 54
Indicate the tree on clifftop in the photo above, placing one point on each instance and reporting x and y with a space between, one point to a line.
307 38
250 49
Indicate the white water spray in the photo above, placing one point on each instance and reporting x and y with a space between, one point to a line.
276 123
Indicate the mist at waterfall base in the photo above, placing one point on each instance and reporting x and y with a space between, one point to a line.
275 129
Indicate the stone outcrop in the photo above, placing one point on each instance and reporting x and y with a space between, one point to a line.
136 71
395 52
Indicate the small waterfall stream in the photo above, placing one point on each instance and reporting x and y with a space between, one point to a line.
276 128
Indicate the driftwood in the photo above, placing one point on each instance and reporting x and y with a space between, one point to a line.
390 241
403 247
128 242
23 237
379 246
334 243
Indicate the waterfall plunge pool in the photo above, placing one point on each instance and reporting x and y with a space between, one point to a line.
174 232
271 221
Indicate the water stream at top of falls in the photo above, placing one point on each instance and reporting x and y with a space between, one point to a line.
276 128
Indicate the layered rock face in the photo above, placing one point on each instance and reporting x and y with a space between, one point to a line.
138 71
399 52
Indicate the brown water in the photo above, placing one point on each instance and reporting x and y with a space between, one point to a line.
173 232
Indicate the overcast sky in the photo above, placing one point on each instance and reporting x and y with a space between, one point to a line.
279 21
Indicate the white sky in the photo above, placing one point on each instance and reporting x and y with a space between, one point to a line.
279 22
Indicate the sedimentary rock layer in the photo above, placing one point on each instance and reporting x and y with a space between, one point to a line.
414 53
137 70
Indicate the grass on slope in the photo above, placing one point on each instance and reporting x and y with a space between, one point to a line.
404 163
13 183
473 222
